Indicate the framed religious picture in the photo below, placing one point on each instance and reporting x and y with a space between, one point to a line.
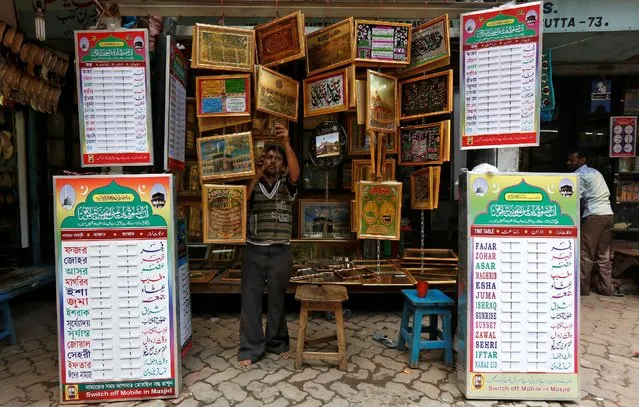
224 210
223 95
281 40
379 209
362 170
358 139
277 94
264 124
324 219
380 43
354 216
430 47
226 157
438 175
422 189
326 93
259 144
425 144
223 48
330 47
426 95
381 102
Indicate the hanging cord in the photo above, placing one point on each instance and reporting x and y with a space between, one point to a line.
222 18
422 240
326 185
379 270
277 8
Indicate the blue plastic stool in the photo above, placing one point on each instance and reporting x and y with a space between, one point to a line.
434 304
8 330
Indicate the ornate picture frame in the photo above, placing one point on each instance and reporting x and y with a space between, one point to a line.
381 102
373 48
281 40
330 47
326 93
224 210
361 170
430 47
379 210
424 144
226 157
223 48
426 96
422 189
223 95
358 140
277 94
321 219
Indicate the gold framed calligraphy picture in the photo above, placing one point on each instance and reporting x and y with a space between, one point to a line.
380 43
425 144
359 140
223 95
223 48
326 93
330 47
379 209
226 157
422 191
381 102
362 170
430 47
281 40
426 95
224 209
277 94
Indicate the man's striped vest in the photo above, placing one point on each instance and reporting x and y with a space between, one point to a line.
271 220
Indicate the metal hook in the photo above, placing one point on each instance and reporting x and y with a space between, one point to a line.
277 8
222 18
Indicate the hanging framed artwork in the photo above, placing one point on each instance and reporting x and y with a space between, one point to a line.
379 209
330 47
322 219
226 157
281 40
354 216
223 48
381 102
215 123
362 170
277 94
425 144
224 210
326 93
426 95
422 189
223 95
382 43
359 141
430 47
328 145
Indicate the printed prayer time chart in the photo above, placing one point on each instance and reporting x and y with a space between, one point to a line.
112 69
115 255
500 77
521 305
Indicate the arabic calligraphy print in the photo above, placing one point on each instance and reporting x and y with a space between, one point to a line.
330 47
379 208
115 273
224 95
326 93
500 77
424 145
280 40
430 47
224 208
426 95
112 69
277 94
223 48
381 42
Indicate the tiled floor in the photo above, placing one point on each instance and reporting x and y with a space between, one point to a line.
376 376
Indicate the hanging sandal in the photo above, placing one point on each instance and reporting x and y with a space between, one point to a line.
384 340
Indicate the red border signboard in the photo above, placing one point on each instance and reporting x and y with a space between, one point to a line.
500 63
623 136
112 70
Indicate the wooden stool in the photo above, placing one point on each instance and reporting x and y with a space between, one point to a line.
321 298
434 304
8 330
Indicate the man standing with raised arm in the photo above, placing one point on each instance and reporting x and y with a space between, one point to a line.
267 259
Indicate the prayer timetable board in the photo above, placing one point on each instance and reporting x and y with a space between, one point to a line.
175 105
116 287
112 69
500 77
518 333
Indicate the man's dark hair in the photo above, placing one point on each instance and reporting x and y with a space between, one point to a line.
279 149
